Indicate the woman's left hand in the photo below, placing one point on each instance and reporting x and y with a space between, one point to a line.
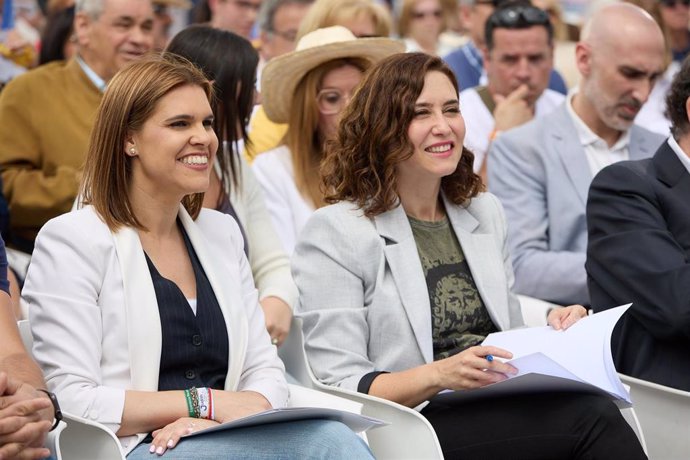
564 317
278 317
168 436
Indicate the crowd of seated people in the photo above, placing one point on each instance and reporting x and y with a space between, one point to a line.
173 193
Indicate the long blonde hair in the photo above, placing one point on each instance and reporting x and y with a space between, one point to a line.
303 137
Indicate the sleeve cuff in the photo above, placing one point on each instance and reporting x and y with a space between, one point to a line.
366 381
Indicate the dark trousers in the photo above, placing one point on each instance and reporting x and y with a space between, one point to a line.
536 426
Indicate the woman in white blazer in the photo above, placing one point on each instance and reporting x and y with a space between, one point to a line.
234 190
142 304
405 274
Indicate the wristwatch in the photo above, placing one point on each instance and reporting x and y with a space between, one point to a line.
56 408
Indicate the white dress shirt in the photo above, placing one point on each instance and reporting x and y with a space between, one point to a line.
682 156
479 122
598 153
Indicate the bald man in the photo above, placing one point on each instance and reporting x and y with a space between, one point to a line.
542 170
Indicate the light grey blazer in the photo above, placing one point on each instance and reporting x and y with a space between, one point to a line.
363 296
540 173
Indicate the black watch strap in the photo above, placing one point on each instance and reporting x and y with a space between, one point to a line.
56 407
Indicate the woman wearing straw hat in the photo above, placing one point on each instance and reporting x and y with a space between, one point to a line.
308 89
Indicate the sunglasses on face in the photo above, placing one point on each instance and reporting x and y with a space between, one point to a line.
519 16
672 3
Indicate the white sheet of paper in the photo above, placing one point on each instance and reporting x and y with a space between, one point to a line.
355 422
522 384
583 350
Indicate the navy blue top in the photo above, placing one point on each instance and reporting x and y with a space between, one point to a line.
467 64
195 348
4 283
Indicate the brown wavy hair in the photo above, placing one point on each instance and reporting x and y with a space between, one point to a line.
360 163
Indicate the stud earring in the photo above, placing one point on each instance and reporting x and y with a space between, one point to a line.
132 151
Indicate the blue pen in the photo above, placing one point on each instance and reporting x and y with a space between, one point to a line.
489 358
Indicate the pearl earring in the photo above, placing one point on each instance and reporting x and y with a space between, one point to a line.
132 150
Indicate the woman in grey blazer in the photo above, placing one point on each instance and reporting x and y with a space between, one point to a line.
407 271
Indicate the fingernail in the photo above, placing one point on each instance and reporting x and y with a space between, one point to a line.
152 449
160 450
170 443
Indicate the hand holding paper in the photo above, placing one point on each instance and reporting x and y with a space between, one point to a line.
578 358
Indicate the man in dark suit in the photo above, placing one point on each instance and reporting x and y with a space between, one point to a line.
638 217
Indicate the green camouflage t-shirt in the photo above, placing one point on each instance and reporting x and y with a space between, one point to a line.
459 318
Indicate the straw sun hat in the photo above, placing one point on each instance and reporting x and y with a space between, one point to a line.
282 74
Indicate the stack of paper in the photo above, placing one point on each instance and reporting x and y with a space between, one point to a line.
577 359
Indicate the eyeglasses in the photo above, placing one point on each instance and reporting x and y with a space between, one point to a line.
672 3
332 101
518 16
422 14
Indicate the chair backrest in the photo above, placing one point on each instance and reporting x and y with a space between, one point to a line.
409 435
293 356
535 311
25 332
80 438
664 414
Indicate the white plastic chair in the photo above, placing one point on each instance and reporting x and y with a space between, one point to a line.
535 311
664 414
77 438
409 435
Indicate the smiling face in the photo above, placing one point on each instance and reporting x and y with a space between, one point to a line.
121 34
175 148
335 92
436 133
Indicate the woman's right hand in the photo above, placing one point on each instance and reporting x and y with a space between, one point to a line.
231 405
168 436
471 368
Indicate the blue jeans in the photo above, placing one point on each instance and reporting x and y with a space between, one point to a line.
304 439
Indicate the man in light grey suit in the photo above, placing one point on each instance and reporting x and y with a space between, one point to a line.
541 171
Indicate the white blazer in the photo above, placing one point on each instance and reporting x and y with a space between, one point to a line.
363 296
95 322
